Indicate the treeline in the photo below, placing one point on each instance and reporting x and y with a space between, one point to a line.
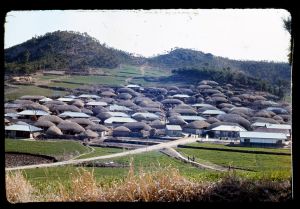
187 58
236 78
63 49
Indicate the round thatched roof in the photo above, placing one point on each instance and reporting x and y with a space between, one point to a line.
51 118
71 108
89 134
187 91
70 126
54 102
97 127
124 96
54 131
218 95
35 106
99 109
78 103
149 109
202 109
126 103
209 82
23 101
82 121
107 100
235 99
108 94
286 118
10 110
219 99
174 120
172 101
121 129
210 91
137 126
234 118
103 116
185 111
158 124
87 111
244 110
264 120
197 125
44 123
212 120
264 114
278 118
184 106
173 88
200 100
227 105
204 86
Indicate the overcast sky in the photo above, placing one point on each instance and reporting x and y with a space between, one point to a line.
246 34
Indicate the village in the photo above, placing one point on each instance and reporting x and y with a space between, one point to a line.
134 116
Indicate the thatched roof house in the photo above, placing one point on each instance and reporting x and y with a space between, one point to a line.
212 120
82 121
97 128
108 94
78 103
44 123
157 124
54 131
175 120
137 126
71 108
172 101
121 131
89 134
52 118
99 109
264 120
234 118
198 124
70 127
32 97
124 96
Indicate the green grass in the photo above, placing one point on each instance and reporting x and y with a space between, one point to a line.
100 151
22 90
65 85
47 77
58 149
211 145
95 79
255 162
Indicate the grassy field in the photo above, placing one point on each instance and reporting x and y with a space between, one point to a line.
58 149
12 94
99 151
211 145
254 162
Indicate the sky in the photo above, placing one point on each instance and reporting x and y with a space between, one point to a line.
244 34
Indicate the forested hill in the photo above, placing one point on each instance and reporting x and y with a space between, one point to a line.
64 49
187 58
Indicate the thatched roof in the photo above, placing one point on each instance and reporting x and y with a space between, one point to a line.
184 106
82 121
227 105
87 111
218 95
51 118
158 124
219 99
71 108
174 120
35 106
212 120
103 115
173 88
187 91
6 120
124 96
97 127
6 110
23 101
89 134
126 90
197 124
264 120
70 126
107 100
108 94
149 109
204 86
209 82
172 101
244 110
234 118
54 102
137 126
78 103
202 109
221 123
54 131
126 103
185 111
44 123
264 114
121 129
32 97
99 109
278 118
235 99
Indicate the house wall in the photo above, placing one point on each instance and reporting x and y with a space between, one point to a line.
262 141
173 133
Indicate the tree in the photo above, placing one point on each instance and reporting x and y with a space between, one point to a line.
287 24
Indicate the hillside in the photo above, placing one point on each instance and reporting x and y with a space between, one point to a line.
64 50
187 58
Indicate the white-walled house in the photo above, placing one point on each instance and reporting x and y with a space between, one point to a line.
252 137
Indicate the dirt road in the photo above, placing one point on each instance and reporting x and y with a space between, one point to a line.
131 152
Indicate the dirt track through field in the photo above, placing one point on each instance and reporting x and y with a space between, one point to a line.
131 152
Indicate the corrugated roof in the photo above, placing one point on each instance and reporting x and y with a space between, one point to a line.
11 115
119 120
33 112
132 86
262 135
97 103
88 96
45 99
181 96
173 127
74 114
279 126
213 112
23 127
191 117
65 99
118 114
259 124
228 128
146 115
118 108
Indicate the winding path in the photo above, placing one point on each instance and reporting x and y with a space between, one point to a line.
130 152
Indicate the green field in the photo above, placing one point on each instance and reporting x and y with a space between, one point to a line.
211 145
99 151
254 162
59 149
12 94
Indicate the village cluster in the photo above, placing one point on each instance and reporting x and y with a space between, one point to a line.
206 110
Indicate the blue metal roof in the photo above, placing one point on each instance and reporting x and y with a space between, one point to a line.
23 127
33 112
74 114
173 127
191 117
262 135
119 120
